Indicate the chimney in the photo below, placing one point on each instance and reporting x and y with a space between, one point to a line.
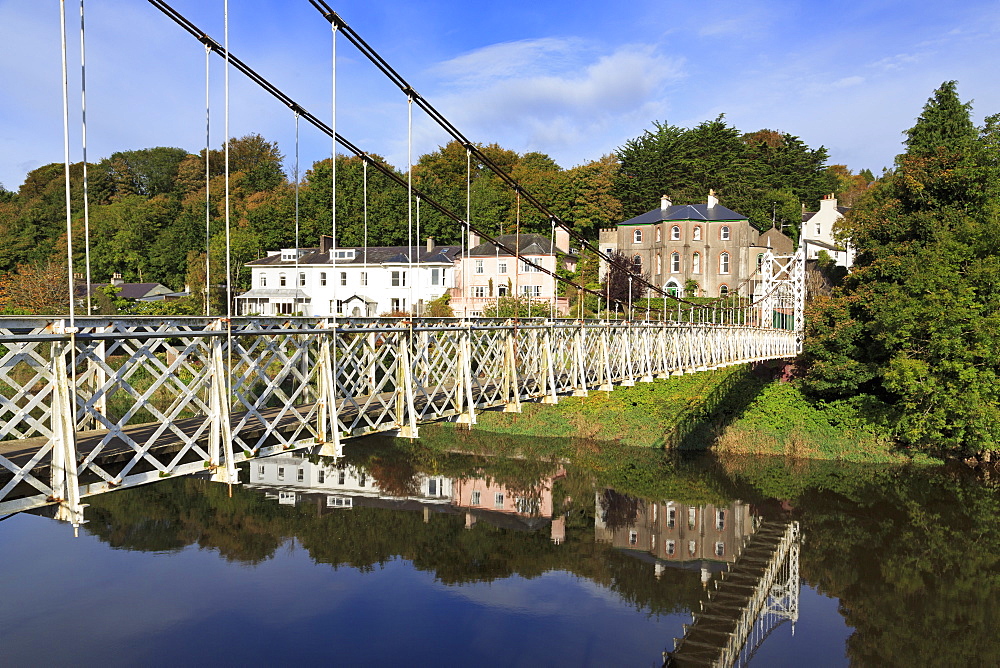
473 239
116 278
325 243
665 202
828 203
712 199
562 239
430 244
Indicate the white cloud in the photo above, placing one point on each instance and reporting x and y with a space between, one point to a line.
553 94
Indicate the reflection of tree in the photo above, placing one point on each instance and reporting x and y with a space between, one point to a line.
618 511
175 513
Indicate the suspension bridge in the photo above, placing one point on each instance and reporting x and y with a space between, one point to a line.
92 404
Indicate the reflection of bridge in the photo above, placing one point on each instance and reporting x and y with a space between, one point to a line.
117 403
755 596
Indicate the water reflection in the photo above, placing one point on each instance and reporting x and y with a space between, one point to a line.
901 565
292 480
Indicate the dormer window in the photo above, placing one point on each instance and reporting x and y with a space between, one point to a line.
637 237
344 254
675 233
288 255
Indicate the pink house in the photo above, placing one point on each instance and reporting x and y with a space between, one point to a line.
488 272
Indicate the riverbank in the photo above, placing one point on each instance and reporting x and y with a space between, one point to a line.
737 410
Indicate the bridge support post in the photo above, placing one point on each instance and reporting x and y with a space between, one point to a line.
511 386
404 386
606 385
662 354
627 370
579 362
549 391
466 402
328 415
648 346
64 479
220 437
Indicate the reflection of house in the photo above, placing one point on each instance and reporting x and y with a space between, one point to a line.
818 229
676 533
483 494
359 282
297 475
487 273
706 244
292 479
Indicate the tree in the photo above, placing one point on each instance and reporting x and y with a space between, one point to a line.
620 283
917 322
36 289
148 171
518 307
745 169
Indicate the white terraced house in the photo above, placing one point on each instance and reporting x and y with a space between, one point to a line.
356 282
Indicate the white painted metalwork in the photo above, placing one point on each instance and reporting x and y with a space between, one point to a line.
155 397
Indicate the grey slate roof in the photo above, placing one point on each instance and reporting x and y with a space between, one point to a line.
685 212
527 244
375 254
127 290
807 216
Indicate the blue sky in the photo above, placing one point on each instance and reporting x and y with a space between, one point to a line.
574 80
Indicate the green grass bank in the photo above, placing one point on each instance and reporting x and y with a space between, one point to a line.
738 410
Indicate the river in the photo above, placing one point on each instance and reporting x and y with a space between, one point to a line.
402 554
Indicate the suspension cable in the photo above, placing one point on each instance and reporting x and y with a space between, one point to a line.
208 185
295 300
69 200
83 135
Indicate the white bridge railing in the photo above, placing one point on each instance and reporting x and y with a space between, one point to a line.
121 402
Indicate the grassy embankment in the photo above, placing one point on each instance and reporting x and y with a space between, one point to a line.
738 410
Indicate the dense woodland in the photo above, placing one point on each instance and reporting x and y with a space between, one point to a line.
147 207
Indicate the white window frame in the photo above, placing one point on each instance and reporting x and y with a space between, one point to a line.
479 269
724 233
696 233
637 236
675 233
675 263
322 278
723 262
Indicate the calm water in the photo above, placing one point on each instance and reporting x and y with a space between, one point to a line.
400 556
